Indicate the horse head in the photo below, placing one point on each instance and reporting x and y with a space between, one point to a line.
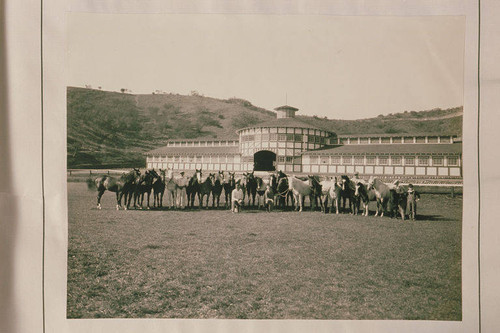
315 185
211 179
282 184
198 175
371 183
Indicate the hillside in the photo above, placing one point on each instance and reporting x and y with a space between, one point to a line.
110 129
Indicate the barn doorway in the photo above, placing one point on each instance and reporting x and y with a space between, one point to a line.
264 160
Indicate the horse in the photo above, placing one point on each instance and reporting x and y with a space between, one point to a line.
330 190
300 190
206 188
282 193
251 187
229 184
397 203
260 190
217 188
121 185
193 188
159 190
171 187
382 192
316 191
144 186
363 194
347 192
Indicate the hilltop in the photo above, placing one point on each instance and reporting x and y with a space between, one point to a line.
111 129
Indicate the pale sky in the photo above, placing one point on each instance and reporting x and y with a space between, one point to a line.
335 66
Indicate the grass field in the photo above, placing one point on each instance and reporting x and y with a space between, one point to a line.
215 264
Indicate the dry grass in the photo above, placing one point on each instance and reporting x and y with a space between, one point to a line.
214 264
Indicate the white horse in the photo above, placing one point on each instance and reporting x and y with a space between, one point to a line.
330 191
300 190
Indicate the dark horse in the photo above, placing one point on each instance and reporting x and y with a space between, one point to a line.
206 188
217 188
229 184
364 195
123 184
284 196
397 203
193 188
251 187
159 190
347 192
144 186
316 191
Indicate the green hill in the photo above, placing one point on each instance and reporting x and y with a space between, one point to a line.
110 129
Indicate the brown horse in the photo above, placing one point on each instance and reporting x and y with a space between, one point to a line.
229 184
144 186
217 188
206 188
122 185
193 188
159 190
365 195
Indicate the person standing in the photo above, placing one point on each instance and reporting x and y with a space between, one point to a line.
182 183
236 199
413 197
269 198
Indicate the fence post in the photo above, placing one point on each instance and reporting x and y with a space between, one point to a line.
90 172
70 172
108 172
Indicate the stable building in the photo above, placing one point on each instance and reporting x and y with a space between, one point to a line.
294 146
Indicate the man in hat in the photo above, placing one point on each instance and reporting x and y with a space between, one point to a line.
413 197
182 183
355 179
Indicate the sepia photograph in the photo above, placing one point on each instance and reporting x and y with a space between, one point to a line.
230 166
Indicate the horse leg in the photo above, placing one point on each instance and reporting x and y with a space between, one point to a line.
99 196
118 200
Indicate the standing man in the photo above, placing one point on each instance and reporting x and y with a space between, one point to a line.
413 197
182 183
236 199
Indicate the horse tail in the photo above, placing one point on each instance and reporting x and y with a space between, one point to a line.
91 184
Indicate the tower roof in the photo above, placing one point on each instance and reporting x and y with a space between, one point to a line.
286 108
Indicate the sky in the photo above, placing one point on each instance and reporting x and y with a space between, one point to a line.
341 67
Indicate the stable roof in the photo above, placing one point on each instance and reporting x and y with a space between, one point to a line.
395 148
219 137
284 122
393 135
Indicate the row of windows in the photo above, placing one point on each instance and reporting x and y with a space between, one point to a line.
284 130
398 139
284 137
382 160
297 145
194 159
279 151
202 143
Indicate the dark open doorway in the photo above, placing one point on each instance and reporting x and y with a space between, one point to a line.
264 160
